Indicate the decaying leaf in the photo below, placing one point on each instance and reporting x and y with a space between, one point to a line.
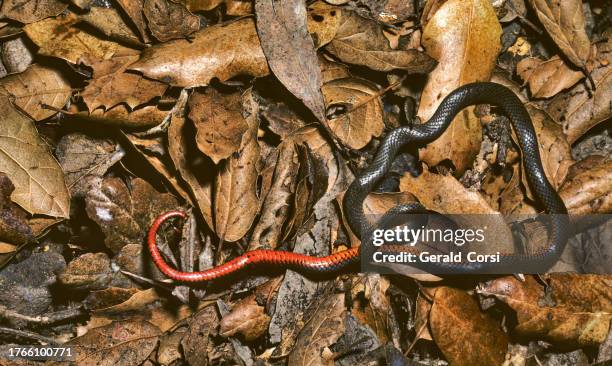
289 49
168 20
90 271
547 78
588 187
222 51
196 343
13 225
564 21
464 36
579 109
30 11
58 37
34 87
464 334
38 178
576 310
354 110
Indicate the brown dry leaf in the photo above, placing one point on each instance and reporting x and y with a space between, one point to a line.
121 116
110 22
193 169
372 306
133 9
118 343
235 200
576 109
196 344
289 49
445 194
38 178
58 38
125 215
360 41
30 11
219 122
564 21
36 86
108 297
111 85
555 151
464 36
421 316
577 309
588 190
168 20
90 271
232 7
354 110
13 225
322 330
547 78
222 51
463 333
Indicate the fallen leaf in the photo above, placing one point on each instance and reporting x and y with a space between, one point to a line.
463 333
34 87
13 225
110 22
547 78
30 11
372 306
235 193
354 110
90 271
322 330
589 189
196 342
579 109
219 122
133 9
289 49
222 51
121 116
232 7
168 20
126 342
361 41
565 23
112 85
38 178
464 36
58 38
577 310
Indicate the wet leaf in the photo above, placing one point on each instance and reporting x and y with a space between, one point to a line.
354 110
36 86
464 334
577 309
565 23
222 51
547 78
464 36
38 178
30 11
289 49
168 20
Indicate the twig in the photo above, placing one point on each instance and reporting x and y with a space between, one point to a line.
28 335
42 319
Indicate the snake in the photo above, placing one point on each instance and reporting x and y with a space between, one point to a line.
366 181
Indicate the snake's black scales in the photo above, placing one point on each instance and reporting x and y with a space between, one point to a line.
470 94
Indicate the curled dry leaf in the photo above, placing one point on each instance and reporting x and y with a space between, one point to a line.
168 20
576 310
36 86
289 49
547 78
588 188
322 330
133 8
360 41
464 334
445 194
31 11
219 122
222 51
125 342
579 109
111 85
38 178
122 116
354 110
110 22
565 23
58 38
235 199
464 36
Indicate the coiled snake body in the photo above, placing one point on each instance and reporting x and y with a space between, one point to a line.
365 182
